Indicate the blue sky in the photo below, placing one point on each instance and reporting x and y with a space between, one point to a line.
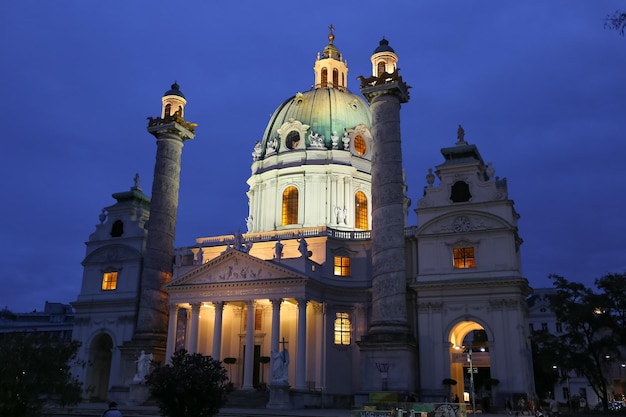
538 86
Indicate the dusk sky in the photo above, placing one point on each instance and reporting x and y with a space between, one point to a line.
539 87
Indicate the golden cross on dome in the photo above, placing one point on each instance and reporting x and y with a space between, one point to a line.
331 35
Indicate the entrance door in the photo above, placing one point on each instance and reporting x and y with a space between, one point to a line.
97 381
256 365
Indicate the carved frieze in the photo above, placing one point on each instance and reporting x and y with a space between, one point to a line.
113 253
430 307
504 304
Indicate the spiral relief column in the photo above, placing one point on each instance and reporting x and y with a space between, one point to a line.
389 340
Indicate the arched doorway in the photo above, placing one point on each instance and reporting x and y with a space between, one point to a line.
470 365
97 382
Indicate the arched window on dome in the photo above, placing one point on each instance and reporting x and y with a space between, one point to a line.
290 206
168 110
343 79
360 211
381 68
324 77
335 77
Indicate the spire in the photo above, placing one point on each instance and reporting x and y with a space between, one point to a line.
330 69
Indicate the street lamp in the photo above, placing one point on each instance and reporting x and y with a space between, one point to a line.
471 372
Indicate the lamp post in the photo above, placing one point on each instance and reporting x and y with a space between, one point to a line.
471 372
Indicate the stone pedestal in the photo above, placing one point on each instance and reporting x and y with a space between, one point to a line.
138 394
279 397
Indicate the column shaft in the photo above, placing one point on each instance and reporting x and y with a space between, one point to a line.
248 366
217 330
171 332
389 312
301 352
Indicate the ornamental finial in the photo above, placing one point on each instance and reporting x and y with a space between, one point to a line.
331 35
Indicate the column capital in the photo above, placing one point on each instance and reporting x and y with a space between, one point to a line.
397 88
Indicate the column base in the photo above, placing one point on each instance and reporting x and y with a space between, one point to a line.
388 362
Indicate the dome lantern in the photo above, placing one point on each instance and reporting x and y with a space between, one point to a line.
173 101
330 69
384 59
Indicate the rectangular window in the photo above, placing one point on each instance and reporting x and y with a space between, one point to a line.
258 319
342 329
464 258
559 327
544 327
531 327
109 281
342 266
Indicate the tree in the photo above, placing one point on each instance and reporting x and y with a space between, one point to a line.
547 354
616 21
614 303
193 385
35 369
587 340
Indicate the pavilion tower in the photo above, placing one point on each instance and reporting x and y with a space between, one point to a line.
389 347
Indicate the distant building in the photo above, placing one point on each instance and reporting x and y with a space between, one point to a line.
328 273
56 319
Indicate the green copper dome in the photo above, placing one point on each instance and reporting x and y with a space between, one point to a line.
324 110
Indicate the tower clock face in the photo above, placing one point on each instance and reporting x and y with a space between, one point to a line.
461 224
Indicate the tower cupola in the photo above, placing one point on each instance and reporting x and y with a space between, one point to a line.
173 101
384 59
331 71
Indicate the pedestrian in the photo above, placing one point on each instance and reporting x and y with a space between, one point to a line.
112 411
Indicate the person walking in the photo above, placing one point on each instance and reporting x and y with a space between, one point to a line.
112 411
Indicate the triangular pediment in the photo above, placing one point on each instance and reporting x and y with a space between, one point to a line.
234 266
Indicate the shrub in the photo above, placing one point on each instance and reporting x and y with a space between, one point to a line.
193 385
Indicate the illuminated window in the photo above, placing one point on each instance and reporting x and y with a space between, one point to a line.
464 258
258 317
342 266
381 68
342 329
324 77
360 211
290 206
359 145
335 77
109 281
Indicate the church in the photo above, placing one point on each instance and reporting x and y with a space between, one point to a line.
329 295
